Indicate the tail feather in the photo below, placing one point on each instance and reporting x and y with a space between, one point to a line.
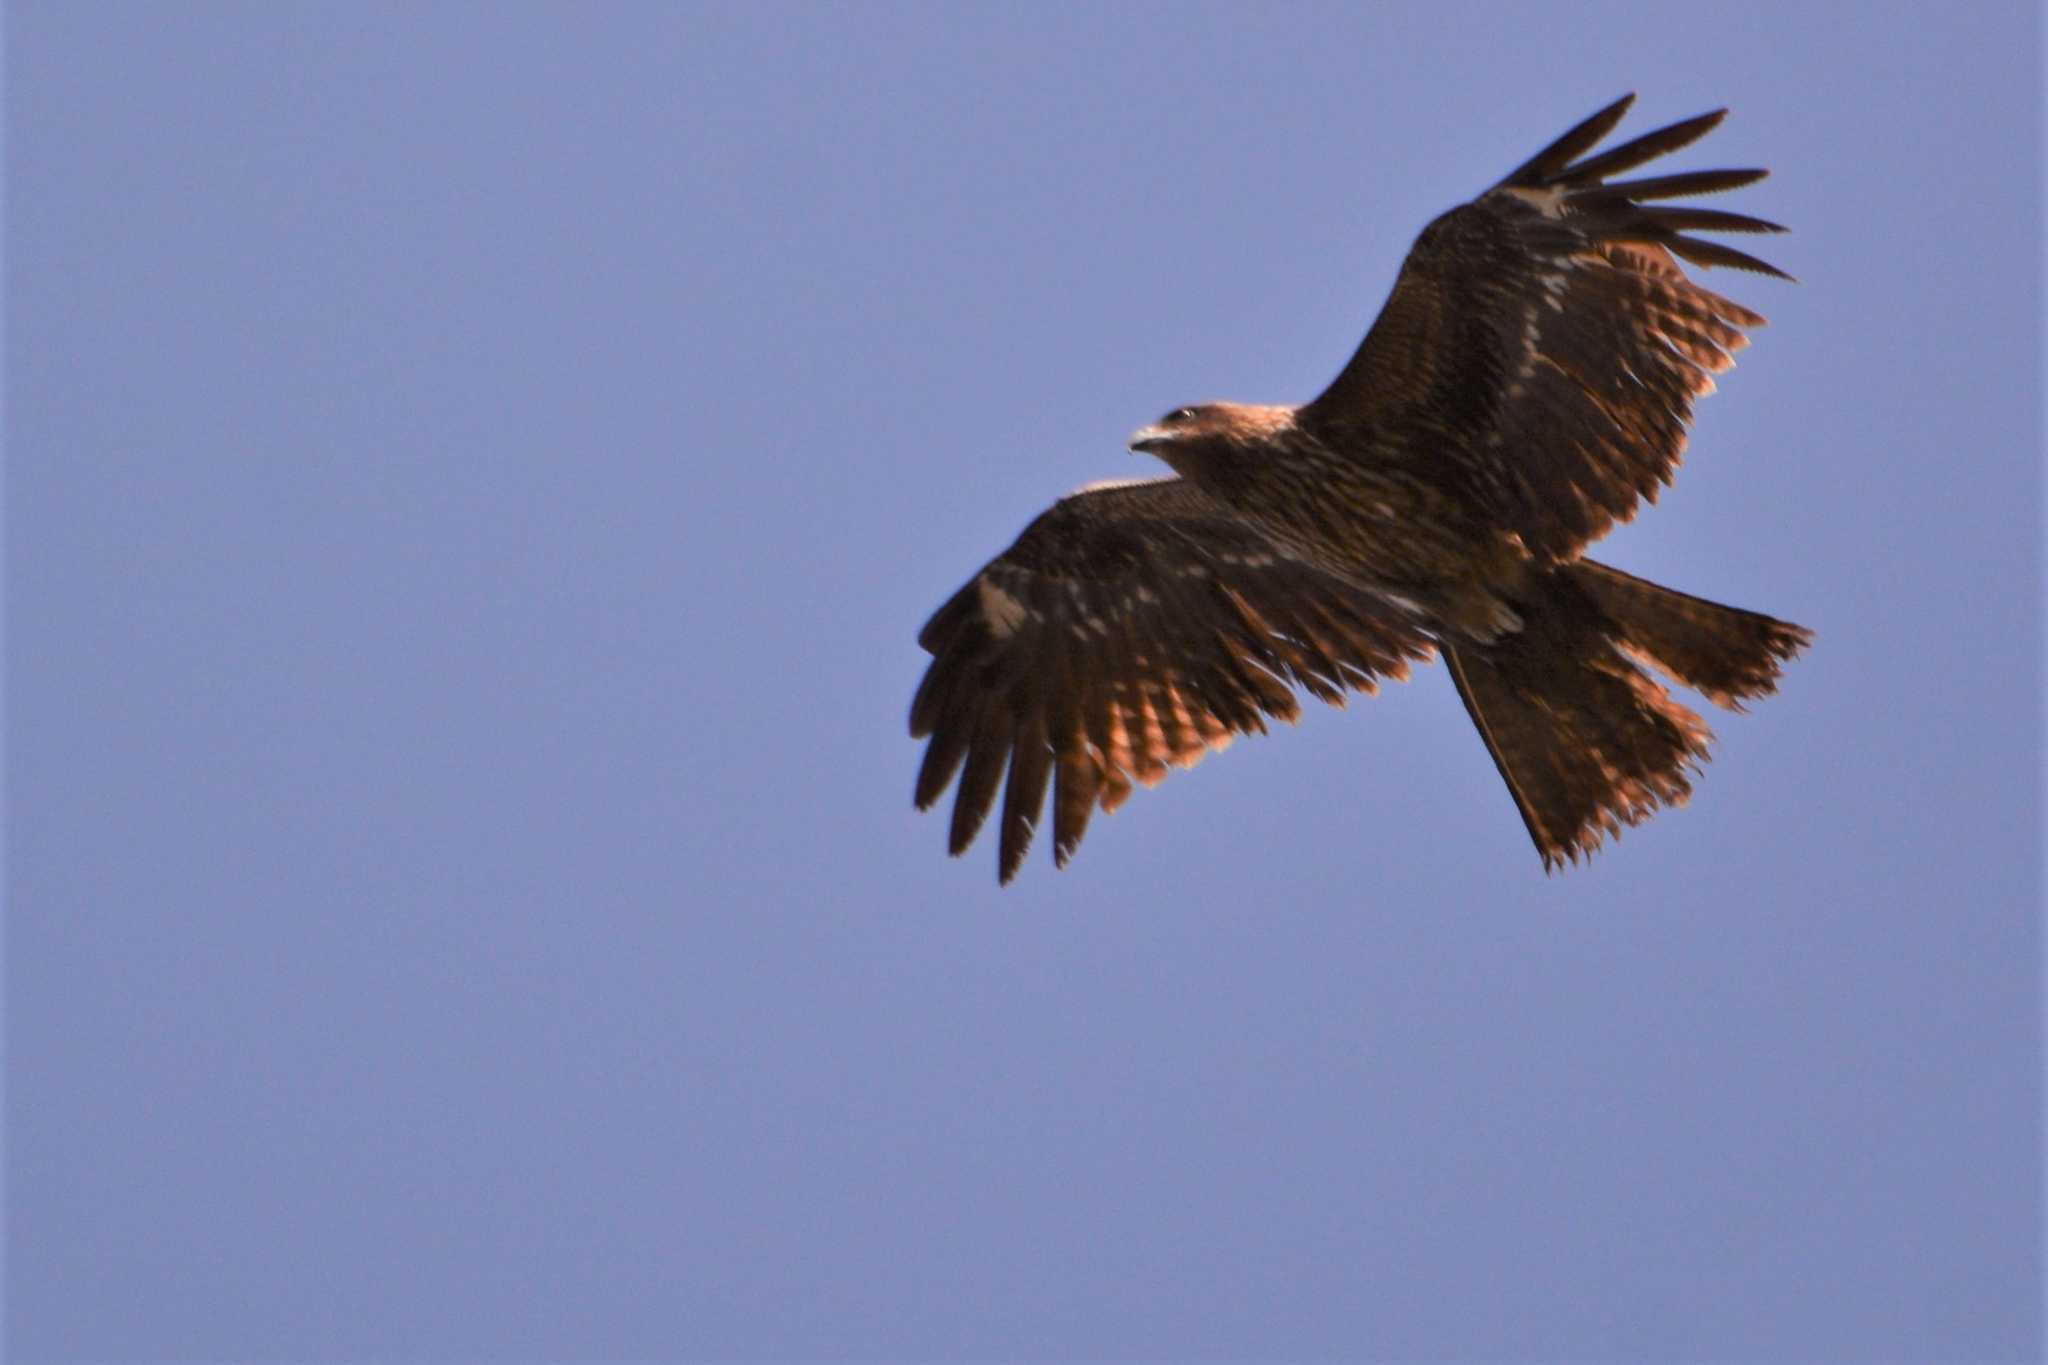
1585 740
1723 653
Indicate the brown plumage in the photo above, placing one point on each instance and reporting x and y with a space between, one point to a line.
1527 385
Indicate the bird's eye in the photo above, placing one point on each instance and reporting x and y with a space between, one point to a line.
1181 415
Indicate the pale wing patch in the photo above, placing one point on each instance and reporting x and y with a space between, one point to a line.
1003 612
1549 202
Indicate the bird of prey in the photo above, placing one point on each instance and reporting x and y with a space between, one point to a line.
1527 383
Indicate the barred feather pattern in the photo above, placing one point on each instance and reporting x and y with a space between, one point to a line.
1129 631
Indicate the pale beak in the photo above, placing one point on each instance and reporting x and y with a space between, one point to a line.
1146 439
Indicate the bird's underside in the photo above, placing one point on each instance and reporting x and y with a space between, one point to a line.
1526 386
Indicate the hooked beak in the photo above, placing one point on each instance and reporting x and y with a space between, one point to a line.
1147 439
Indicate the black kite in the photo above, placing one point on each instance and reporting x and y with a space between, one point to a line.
1527 384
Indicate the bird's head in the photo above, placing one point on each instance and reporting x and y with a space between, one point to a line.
1204 443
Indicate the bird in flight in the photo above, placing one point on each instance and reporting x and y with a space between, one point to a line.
1528 382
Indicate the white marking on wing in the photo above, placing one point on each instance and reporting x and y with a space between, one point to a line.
1103 485
1548 202
1407 604
1532 336
1003 612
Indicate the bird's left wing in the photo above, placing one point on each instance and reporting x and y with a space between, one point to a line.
1542 345
1130 628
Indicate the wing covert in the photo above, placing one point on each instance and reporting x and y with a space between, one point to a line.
1544 341
1128 631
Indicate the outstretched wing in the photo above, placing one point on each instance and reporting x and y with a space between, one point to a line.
1130 628
1543 338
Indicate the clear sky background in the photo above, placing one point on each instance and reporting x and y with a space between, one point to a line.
475 474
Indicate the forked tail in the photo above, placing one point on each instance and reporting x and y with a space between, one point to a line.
1586 740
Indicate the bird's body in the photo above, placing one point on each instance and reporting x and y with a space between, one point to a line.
1526 386
1361 507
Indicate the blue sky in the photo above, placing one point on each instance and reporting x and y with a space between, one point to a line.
474 477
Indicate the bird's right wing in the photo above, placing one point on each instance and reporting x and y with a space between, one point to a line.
1130 628
1542 342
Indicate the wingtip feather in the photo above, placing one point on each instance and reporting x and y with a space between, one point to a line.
1576 141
